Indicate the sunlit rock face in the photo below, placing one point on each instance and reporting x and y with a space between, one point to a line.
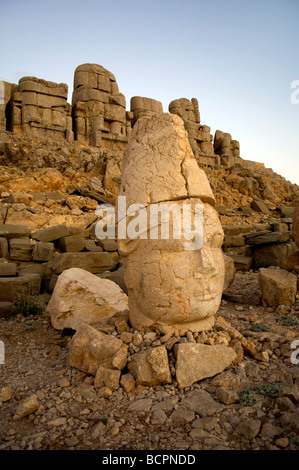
173 263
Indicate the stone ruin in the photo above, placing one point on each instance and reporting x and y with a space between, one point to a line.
98 117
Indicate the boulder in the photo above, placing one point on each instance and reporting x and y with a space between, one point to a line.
151 367
80 296
8 269
195 361
278 286
89 349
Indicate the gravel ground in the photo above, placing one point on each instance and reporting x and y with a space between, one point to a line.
253 405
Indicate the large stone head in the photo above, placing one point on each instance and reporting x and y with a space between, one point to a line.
171 248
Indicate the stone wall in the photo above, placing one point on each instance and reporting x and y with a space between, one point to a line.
40 108
98 116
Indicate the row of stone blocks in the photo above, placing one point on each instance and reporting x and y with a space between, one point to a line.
98 116
30 263
264 244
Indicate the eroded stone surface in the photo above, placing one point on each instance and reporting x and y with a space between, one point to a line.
170 287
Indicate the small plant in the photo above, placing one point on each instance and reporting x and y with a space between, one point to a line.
26 304
290 320
262 327
247 396
104 420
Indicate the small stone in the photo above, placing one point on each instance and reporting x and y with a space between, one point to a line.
64 382
104 392
182 416
158 417
28 406
127 382
250 428
282 442
5 394
57 422
228 396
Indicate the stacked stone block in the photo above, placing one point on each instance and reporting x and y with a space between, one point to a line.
199 135
40 108
227 148
141 106
99 109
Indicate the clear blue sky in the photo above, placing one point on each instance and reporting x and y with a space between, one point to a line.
237 57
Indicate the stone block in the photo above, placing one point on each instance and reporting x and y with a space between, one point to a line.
233 240
291 262
9 231
37 85
5 309
8 269
260 206
272 255
43 251
50 234
279 287
242 263
195 361
260 238
12 286
20 249
71 243
90 261
3 248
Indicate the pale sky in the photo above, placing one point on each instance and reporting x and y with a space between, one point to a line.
237 57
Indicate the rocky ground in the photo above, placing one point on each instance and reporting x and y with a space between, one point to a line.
253 405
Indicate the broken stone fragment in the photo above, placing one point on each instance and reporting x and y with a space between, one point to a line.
151 367
89 349
28 406
195 361
80 296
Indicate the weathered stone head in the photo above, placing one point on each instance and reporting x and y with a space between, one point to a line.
173 262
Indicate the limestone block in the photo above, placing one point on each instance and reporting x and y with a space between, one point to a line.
263 237
9 231
195 361
24 284
260 206
43 251
151 367
89 349
8 269
71 243
3 248
272 254
50 234
5 310
20 249
38 85
181 288
279 287
92 262
74 290
115 113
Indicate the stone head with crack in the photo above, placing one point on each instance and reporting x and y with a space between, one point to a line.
171 236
